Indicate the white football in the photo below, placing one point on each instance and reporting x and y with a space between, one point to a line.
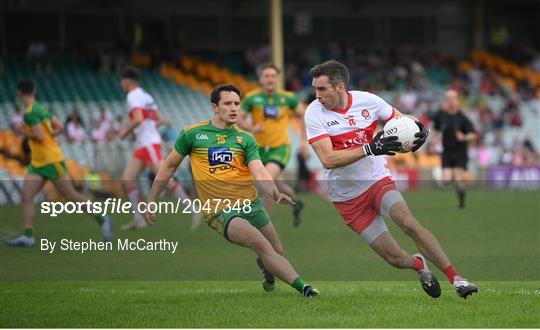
404 128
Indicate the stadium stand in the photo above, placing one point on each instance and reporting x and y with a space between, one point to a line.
73 85
501 97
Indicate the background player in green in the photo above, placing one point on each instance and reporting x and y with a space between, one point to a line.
224 161
270 109
47 163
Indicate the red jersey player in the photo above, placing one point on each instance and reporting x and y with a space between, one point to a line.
340 127
145 118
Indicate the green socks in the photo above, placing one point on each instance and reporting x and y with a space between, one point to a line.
100 219
28 232
299 284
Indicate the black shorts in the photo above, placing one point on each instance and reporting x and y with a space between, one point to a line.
455 158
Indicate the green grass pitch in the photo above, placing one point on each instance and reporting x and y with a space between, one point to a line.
208 282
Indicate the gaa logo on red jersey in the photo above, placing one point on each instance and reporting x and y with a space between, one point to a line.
332 123
351 120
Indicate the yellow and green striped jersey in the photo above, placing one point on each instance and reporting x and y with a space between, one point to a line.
272 111
219 159
47 151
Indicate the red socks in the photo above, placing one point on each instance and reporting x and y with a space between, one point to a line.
451 272
417 263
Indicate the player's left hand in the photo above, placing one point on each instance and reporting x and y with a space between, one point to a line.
19 129
421 136
282 198
122 133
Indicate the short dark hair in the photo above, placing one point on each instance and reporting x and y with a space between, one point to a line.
26 86
335 71
132 73
215 96
267 65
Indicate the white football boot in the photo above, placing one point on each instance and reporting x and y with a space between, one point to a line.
463 287
21 241
427 279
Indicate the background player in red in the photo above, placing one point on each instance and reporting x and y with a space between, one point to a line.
145 118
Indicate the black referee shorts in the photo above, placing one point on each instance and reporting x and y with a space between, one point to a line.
455 158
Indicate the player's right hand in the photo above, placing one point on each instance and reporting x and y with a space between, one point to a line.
460 136
122 133
258 128
420 136
150 218
282 198
382 146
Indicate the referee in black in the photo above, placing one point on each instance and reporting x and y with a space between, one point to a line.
457 130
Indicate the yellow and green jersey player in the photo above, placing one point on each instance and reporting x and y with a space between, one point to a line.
270 109
47 163
225 162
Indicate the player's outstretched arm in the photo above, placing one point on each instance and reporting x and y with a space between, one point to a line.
160 120
164 174
35 132
136 120
266 182
460 136
300 112
331 158
245 125
57 127
243 122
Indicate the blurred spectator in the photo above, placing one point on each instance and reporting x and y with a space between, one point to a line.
407 101
536 102
37 52
102 130
483 153
105 61
169 134
257 56
16 121
511 111
506 157
531 156
17 124
75 128
118 125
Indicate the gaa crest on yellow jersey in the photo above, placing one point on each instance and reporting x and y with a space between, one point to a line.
221 138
